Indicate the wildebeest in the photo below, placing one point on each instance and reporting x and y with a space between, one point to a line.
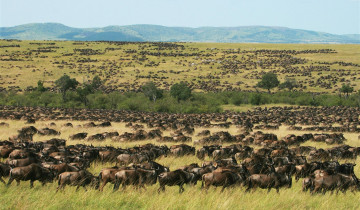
4 171
22 162
62 167
107 175
31 172
108 155
124 159
324 182
78 136
137 177
78 178
182 149
5 151
268 181
177 177
154 165
224 178
19 154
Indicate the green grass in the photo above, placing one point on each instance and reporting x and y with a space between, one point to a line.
22 197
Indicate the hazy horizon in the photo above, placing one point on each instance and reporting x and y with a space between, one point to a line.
329 16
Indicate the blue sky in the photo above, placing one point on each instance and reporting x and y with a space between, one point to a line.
332 16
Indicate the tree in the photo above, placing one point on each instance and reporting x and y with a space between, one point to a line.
290 83
84 92
346 89
151 91
180 91
65 83
268 81
40 86
96 83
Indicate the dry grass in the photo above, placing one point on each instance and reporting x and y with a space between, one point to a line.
32 69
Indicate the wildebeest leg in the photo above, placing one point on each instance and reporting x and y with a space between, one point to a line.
103 185
1 180
31 183
161 188
226 184
249 186
116 186
123 186
181 188
10 180
77 188
277 189
269 189
223 188
58 188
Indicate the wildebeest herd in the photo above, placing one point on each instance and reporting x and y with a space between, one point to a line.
250 159
125 66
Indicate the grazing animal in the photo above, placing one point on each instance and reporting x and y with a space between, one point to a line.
31 172
4 171
79 178
172 178
224 178
125 159
268 181
137 177
107 175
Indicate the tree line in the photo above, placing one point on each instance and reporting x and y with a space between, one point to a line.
179 99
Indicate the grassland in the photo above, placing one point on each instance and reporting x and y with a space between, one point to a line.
220 66
126 66
22 197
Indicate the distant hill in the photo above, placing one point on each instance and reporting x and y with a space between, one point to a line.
261 34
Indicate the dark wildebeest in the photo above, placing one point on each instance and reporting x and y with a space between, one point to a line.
32 158
19 154
63 167
225 178
268 181
199 172
188 168
4 171
78 136
324 182
124 159
5 151
108 175
302 171
31 172
137 177
177 177
108 155
154 165
79 178
286 169
226 162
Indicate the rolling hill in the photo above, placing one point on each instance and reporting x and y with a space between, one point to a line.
260 34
